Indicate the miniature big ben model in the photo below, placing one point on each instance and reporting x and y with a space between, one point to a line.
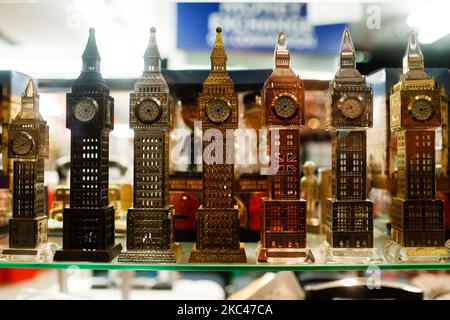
415 112
349 114
217 218
88 231
28 147
150 222
283 213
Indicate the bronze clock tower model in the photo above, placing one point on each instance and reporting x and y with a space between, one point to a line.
88 232
283 213
348 114
150 222
218 218
417 216
28 147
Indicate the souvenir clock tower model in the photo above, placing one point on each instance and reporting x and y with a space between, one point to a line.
28 147
283 213
417 216
150 222
348 115
217 218
88 232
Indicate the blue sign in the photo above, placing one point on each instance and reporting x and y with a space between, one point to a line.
254 27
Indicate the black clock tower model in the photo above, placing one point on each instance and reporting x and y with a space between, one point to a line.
88 233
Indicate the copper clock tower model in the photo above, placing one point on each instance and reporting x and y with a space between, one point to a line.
28 147
217 218
150 222
88 232
283 213
415 111
349 113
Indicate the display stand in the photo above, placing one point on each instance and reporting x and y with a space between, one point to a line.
43 253
396 252
152 256
284 255
349 255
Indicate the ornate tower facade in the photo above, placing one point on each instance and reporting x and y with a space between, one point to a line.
283 212
415 108
217 218
349 114
150 222
28 147
88 232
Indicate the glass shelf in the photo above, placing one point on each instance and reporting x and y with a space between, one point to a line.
314 242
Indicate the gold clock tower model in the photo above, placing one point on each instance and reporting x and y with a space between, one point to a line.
217 218
415 112
283 212
28 147
349 113
150 222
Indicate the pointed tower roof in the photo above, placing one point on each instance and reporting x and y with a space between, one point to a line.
281 53
413 63
91 57
347 52
30 97
152 76
30 104
282 57
347 58
90 77
152 58
218 54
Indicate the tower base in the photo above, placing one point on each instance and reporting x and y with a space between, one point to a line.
418 223
42 253
349 224
152 256
398 253
218 255
283 255
93 255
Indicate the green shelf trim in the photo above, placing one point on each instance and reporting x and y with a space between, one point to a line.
251 266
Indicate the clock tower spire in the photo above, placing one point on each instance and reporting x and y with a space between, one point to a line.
91 57
218 54
347 58
152 58
282 54
413 64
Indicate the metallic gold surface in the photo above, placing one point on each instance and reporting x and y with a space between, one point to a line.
417 216
217 219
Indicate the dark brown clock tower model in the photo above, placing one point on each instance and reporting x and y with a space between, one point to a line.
283 213
150 222
88 233
218 217
349 113
28 147
417 216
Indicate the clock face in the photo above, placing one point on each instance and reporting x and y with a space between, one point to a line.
421 108
85 109
352 107
218 110
285 106
22 144
148 110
